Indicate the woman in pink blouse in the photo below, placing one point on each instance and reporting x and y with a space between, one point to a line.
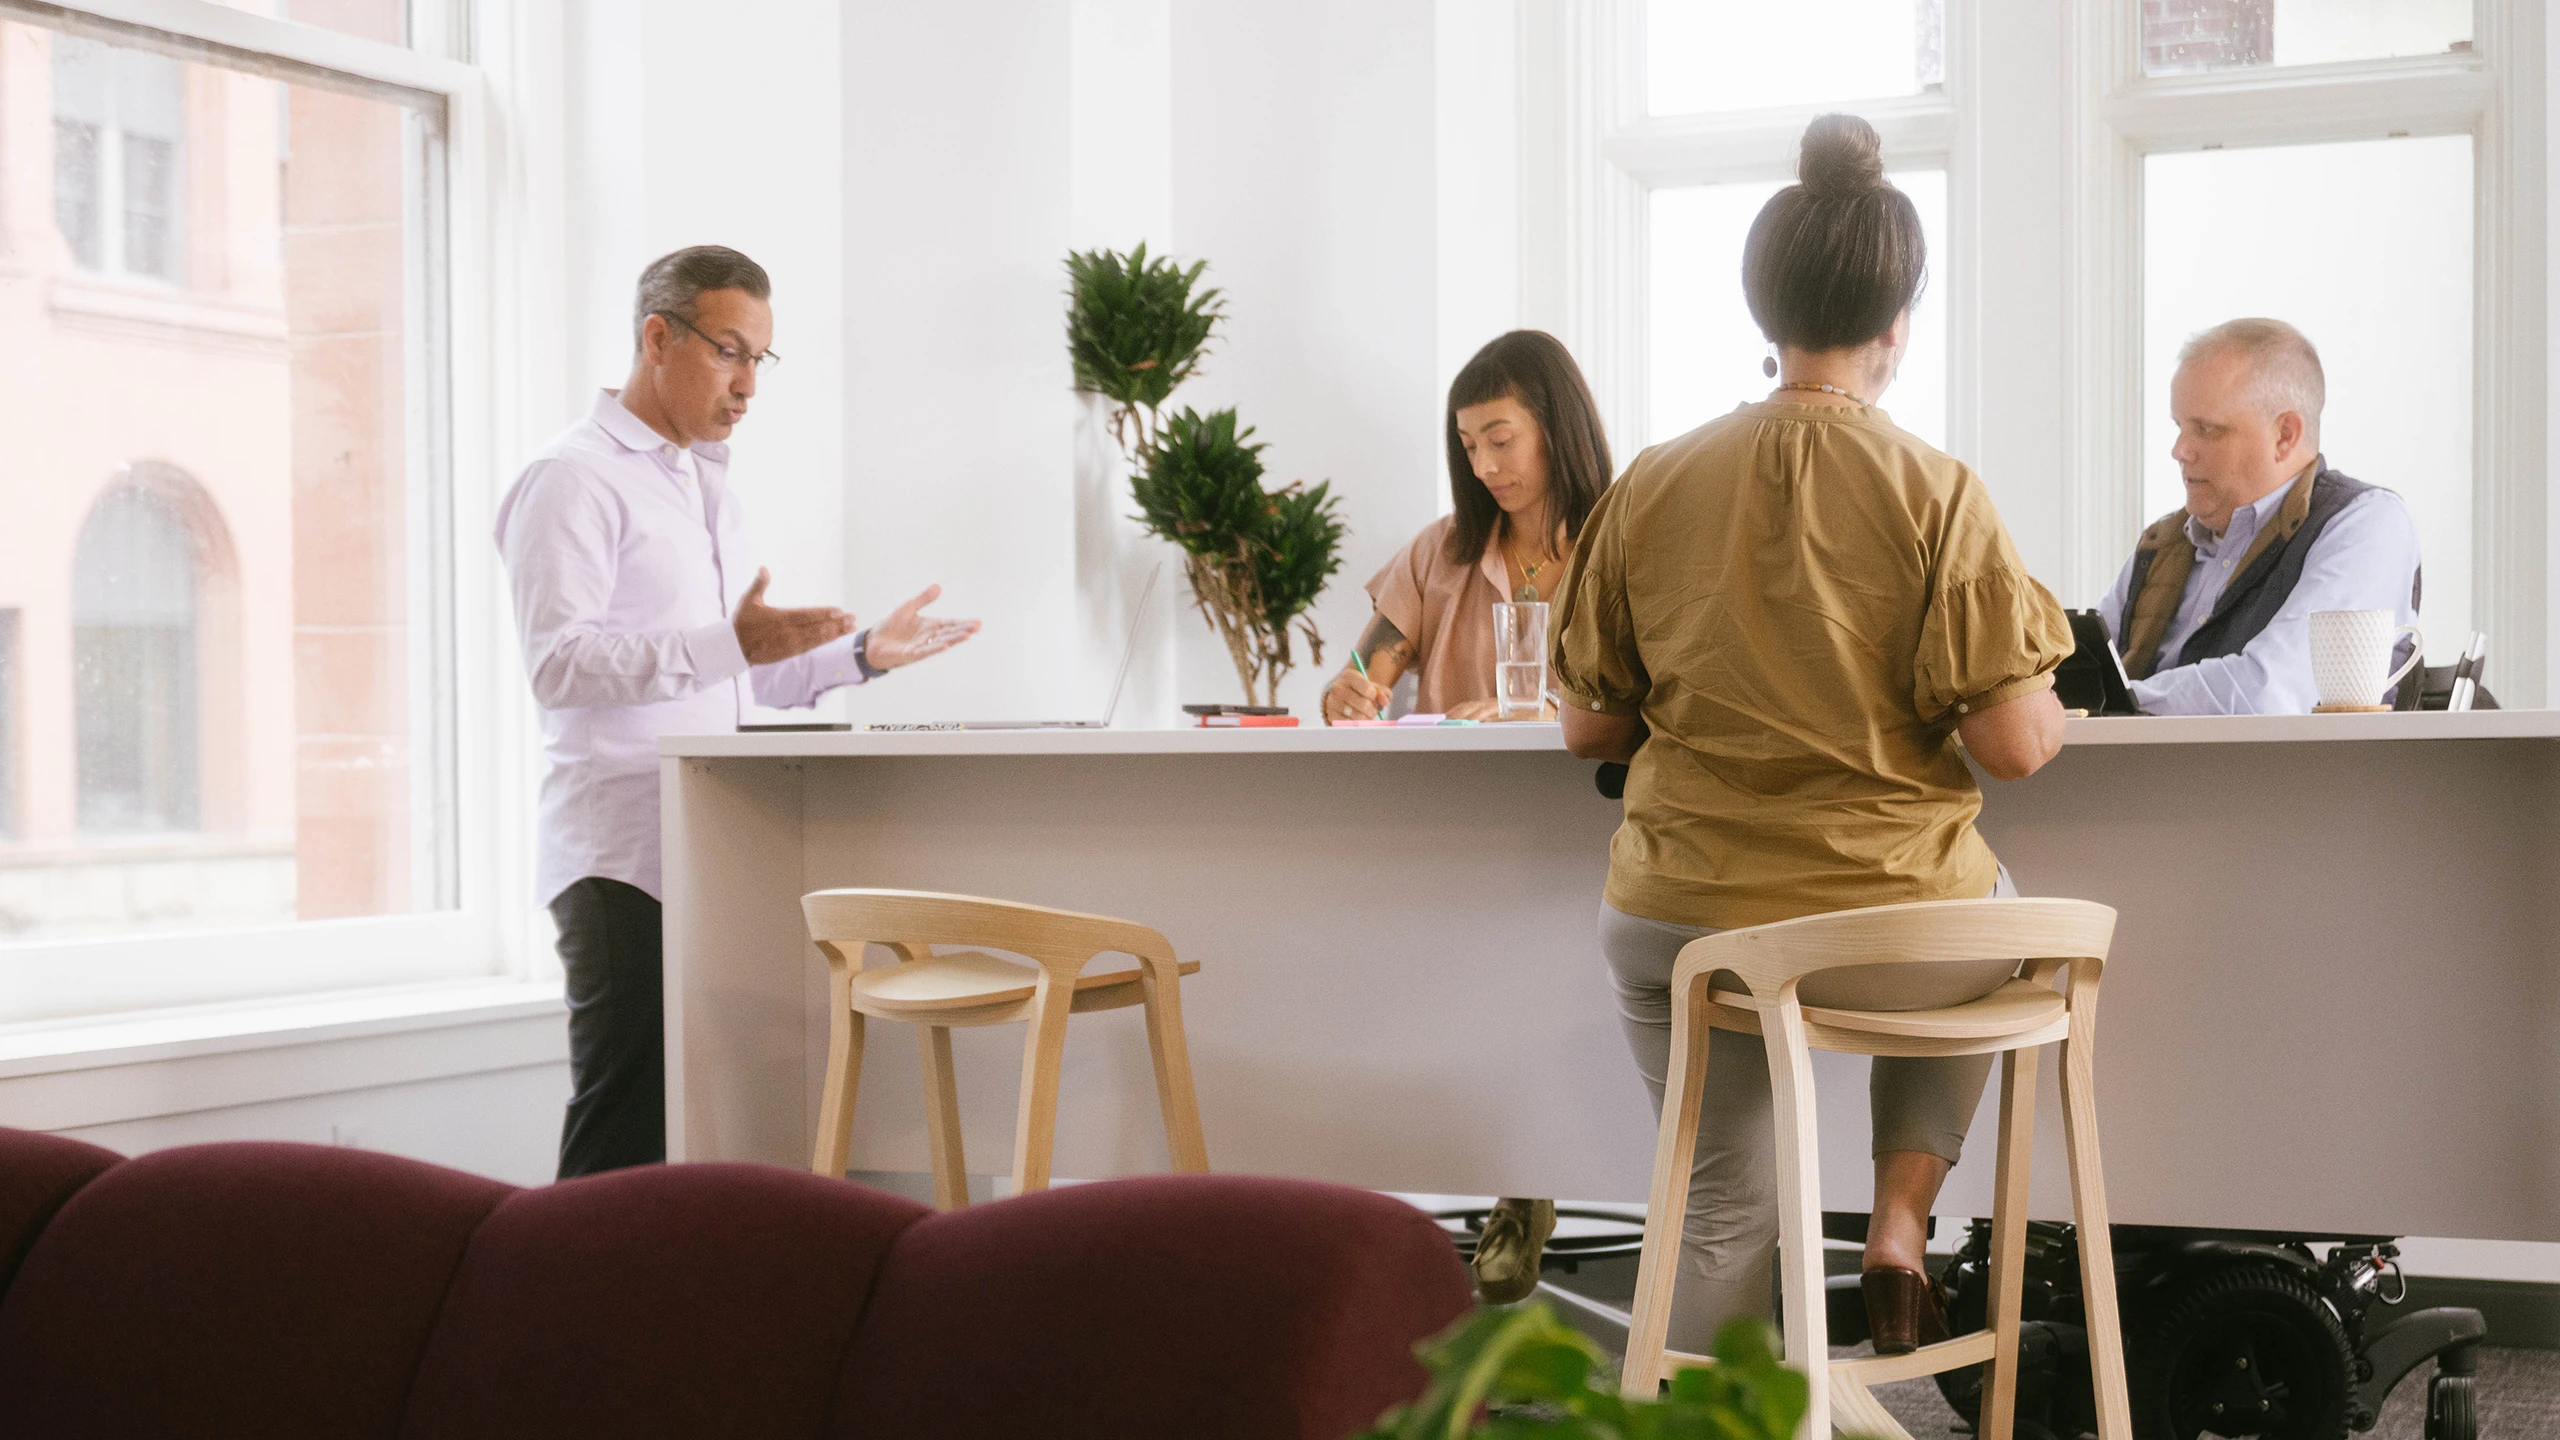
1527 461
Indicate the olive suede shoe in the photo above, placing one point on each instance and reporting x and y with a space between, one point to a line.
1508 1252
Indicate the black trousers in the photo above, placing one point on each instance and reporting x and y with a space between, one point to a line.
612 946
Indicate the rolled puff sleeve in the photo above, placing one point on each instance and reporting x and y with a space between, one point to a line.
1593 654
1993 632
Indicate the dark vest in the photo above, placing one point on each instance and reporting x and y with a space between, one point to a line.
2274 566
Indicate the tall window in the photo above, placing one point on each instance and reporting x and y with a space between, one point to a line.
1727 89
134 583
119 185
227 551
2376 266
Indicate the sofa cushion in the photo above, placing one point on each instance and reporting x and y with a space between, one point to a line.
678 1300
1173 1306
37 1174
278 1291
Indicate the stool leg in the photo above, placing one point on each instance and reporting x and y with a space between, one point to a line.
1806 1315
2009 1241
844 1072
2089 1208
1675 1148
1044 1049
942 1118
1162 982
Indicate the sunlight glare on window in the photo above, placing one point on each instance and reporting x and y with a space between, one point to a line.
1706 349
1704 55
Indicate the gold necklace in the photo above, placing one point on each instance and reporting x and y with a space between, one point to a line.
1849 395
1528 591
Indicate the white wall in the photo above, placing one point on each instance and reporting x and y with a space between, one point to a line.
980 148
1303 170
958 415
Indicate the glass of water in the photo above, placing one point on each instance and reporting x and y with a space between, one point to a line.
1519 660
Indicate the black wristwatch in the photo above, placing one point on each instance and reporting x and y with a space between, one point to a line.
862 657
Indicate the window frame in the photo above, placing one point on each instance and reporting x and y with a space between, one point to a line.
486 783
2044 179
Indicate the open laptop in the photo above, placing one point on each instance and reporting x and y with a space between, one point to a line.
2093 678
1128 652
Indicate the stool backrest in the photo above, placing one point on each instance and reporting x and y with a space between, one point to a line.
1767 957
1060 939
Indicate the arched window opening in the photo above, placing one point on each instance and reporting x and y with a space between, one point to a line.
136 580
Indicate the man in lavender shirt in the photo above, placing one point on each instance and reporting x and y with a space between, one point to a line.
2213 612
624 548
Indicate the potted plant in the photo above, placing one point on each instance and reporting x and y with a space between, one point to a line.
1256 558
1516 1373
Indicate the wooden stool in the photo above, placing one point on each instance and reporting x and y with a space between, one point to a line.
971 987
2052 936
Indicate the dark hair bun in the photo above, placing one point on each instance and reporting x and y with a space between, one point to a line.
1840 156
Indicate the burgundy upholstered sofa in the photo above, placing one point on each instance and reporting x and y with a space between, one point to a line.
291 1291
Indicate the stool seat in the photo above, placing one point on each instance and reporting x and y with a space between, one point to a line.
972 980
2018 1013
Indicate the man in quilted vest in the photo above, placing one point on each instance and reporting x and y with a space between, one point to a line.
2212 613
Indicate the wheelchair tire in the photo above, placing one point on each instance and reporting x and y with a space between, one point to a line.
2243 1350
2452 1409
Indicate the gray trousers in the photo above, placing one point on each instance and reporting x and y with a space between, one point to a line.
1729 1244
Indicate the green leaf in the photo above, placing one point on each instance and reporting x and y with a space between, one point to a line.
1522 1374
1136 327
1258 559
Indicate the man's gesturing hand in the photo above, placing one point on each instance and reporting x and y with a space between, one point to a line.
909 635
768 634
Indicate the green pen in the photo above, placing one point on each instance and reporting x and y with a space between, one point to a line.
1364 673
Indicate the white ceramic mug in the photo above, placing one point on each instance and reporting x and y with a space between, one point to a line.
2351 655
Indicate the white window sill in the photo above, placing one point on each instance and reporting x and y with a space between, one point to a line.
138 1037
62 1075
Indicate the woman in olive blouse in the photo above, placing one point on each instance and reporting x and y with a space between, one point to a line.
1783 620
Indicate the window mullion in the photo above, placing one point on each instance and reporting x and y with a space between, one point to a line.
2288 109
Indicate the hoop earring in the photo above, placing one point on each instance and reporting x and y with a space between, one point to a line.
1769 362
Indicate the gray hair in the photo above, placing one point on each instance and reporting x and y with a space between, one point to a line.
2284 369
675 280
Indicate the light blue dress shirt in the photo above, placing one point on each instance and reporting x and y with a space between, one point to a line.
2366 559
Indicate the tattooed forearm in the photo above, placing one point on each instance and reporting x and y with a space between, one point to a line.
1383 641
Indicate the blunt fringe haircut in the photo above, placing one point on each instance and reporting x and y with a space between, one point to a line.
1534 368
676 279
1833 258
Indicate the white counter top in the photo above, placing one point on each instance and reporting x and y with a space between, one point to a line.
1317 739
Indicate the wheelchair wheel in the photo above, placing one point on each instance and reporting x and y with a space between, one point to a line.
2248 1350
2451 1409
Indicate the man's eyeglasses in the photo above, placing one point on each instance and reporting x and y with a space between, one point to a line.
729 354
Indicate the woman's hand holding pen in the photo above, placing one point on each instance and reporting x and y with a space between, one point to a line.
1354 696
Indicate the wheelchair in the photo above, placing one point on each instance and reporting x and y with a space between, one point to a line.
2228 1333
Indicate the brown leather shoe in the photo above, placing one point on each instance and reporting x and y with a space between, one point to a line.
1903 1312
